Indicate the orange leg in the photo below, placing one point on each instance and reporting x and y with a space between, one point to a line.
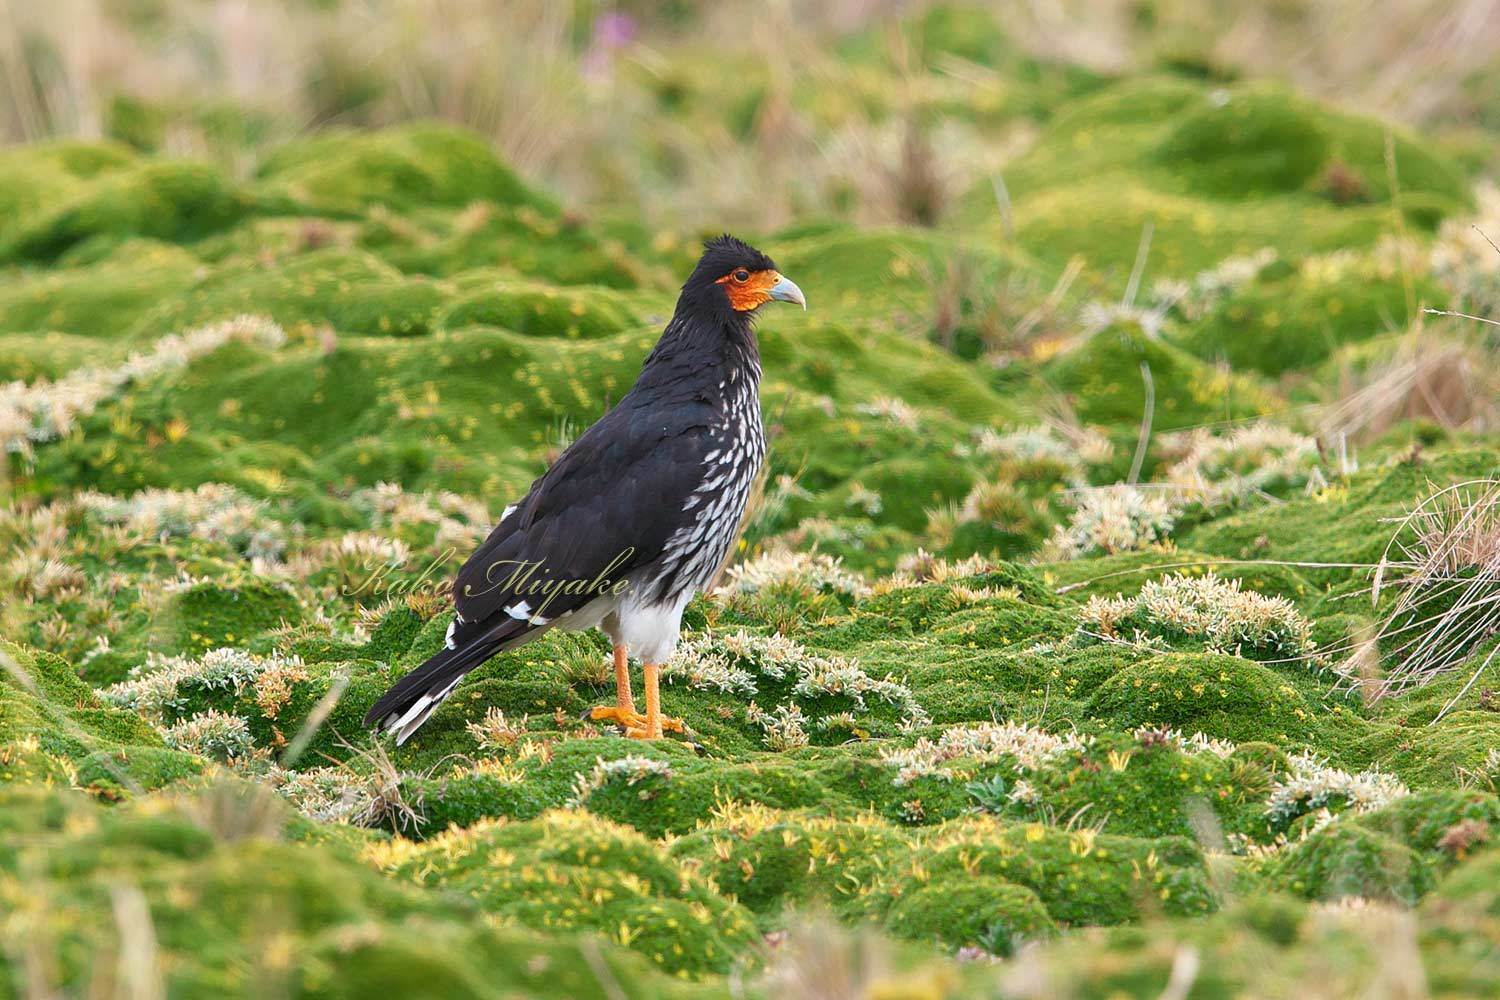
623 710
654 721
623 698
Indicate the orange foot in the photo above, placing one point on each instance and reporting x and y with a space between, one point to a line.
636 724
627 717
643 729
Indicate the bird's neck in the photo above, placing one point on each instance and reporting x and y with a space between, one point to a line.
712 352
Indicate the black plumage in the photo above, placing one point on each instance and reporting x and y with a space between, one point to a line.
636 515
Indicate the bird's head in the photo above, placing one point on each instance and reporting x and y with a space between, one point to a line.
735 279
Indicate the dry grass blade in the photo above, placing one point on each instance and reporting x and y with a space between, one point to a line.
1461 315
315 720
382 790
820 960
1443 560
140 964
1448 381
1147 415
605 977
237 810
10 666
1185 965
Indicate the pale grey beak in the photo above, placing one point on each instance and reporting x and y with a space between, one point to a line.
786 290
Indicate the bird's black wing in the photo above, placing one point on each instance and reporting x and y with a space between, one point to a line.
607 506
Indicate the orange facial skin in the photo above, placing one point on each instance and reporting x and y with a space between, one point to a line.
753 292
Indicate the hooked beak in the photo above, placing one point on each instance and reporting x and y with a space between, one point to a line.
786 290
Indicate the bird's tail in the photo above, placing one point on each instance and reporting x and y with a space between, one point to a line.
407 705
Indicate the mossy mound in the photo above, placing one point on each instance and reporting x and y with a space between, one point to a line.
1104 378
542 311
98 301
419 164
1283 324
36 178
1464 909
774 860
1342 860
1317 528
1081 878
208 615
1221 696
1215 172
570 871
172 201
349 291
1245 146
49 708
994 914
220 901
1151 790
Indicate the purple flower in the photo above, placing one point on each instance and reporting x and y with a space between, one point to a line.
614 30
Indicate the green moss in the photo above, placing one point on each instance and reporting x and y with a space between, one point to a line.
1245 145
862 271
42 700
1459 745
1344 860
772 861
114 773
1188 236
1461 913
1103 377
208 615
1215 172
166 200
24 762
1443 825
1149 791
514 240
345 172
355 292
1394 164
1081 878
1221 696
1124 573
35 178
1342 523
449 327
220 902
1281 324
986 912
542 311
567 871
386 308
101 300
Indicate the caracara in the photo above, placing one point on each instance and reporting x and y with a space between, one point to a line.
635 516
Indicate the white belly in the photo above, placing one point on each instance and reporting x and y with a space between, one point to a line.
647 628
650 629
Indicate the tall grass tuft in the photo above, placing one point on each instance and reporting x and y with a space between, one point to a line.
1443 564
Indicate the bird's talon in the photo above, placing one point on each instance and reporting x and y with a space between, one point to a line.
627 717
642 731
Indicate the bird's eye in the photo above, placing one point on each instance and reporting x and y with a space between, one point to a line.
742 276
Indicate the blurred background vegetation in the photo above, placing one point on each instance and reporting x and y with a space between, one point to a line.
710 114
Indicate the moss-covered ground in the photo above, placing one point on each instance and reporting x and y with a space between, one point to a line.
1034 726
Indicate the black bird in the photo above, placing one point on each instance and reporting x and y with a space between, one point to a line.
635 517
